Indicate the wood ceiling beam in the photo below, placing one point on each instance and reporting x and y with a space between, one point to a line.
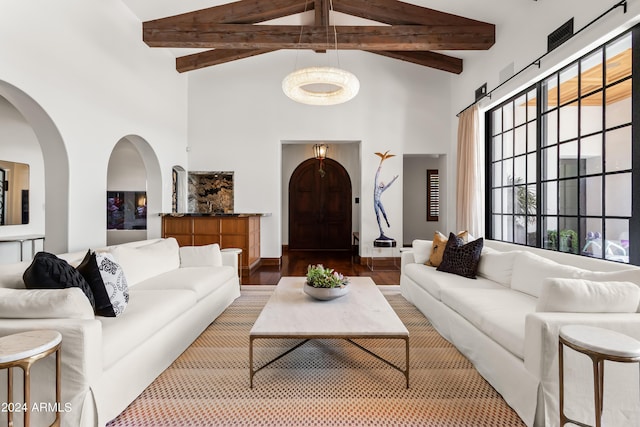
395 12
398 43
394 38
239 12
221 56
428 59
321 8
215 57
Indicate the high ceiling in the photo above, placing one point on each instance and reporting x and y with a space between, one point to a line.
222 32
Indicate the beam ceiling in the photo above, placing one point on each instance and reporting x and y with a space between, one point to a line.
411 34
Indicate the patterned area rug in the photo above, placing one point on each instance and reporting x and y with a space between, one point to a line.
322 383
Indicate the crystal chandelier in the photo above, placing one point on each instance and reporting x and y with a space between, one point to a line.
321 85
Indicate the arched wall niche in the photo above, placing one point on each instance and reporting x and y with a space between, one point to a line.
154 184
56 166
126 182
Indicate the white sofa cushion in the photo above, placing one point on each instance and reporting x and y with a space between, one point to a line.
631 275
141 263
497 266
11 275
421 250
587 296
146 313
433 281
499 313
68 303
530 270
200 256
201 280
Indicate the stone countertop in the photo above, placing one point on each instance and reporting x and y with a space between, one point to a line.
214 214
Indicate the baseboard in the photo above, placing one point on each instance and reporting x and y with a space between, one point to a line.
273 262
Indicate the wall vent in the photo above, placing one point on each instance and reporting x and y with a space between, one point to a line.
559 36
481 92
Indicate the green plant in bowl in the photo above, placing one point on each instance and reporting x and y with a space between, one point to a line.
320 277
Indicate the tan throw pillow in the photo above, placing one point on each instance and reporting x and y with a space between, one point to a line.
439 243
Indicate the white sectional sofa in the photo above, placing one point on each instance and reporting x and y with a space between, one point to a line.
506 322
108 361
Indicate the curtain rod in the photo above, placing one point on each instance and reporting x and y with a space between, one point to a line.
537 61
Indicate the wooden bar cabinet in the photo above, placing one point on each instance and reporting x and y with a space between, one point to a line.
229 231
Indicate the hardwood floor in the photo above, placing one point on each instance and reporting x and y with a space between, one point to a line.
294 263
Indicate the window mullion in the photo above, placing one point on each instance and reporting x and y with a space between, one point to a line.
541 96
634 224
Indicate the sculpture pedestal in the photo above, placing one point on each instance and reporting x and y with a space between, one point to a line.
384 243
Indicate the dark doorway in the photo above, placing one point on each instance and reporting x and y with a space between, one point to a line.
320 207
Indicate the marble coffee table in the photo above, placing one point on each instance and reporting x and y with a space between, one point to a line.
363 313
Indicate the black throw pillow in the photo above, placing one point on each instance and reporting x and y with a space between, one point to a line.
111 293
91 273
461 259
47 271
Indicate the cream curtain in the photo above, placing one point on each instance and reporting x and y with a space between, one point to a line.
469 189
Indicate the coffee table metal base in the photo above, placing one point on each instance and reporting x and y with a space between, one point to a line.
349 339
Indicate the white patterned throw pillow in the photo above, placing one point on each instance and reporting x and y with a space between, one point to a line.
107 282
115 284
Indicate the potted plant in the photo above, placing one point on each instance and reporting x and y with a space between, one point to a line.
325 283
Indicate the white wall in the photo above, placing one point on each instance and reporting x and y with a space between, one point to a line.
238 117
523 38
126 170
18 143
414 220
84 63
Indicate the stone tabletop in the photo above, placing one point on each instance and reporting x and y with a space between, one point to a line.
364 311
601 340
26 344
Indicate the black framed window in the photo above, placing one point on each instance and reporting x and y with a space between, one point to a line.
560 159
513 170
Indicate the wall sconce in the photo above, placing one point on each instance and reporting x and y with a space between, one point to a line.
320 153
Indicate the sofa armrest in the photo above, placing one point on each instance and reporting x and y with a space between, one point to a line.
541 335
541 360
81 360
406 258
230 258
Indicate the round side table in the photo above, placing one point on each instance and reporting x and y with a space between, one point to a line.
23 350
599 345
238 252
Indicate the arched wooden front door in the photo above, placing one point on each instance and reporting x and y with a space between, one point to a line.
320 207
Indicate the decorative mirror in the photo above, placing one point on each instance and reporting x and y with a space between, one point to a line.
14 193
